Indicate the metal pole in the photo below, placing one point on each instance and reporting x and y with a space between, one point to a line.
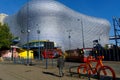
46 58
115 30
28 31
69 41
69 37
46 63
82 34
38 31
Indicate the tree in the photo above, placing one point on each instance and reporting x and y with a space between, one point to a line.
5 36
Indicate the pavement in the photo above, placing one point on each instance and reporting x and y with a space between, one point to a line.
9 71
38 71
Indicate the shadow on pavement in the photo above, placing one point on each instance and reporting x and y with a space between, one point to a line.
49 73
1 79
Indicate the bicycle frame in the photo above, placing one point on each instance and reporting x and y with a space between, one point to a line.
97 66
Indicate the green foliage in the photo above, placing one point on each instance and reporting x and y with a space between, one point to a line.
5 36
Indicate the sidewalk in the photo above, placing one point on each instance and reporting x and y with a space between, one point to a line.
10 71
23 72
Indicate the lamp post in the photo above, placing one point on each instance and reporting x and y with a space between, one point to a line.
28 34
99 40
69 37
82 33
38 31
27 47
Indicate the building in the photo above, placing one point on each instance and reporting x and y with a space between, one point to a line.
56 22
2 17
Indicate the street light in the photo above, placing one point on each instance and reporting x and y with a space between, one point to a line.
100 38
38 31
28 34
69 37
82 33
27 46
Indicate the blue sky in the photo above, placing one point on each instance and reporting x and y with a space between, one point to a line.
98 8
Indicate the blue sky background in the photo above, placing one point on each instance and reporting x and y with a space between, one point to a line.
98 8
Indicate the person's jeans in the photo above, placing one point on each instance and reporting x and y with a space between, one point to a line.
61 74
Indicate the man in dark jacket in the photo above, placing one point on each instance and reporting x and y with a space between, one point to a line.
60 65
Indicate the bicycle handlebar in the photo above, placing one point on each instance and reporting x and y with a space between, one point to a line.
91 58
100 57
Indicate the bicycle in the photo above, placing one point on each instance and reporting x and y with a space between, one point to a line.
100 70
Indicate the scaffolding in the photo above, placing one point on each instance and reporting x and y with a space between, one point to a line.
116 24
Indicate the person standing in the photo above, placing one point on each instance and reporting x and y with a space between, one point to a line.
60 65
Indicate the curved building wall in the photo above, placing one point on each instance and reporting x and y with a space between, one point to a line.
54 20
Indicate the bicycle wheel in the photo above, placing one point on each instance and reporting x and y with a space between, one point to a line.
106 73
82 71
